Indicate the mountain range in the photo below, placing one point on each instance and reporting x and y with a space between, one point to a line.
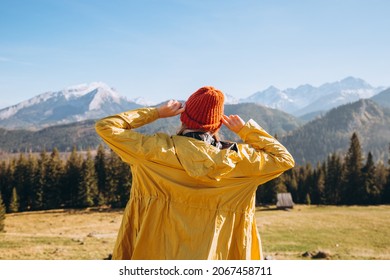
82 134
77 103
65 118
95 100
310 100
332 132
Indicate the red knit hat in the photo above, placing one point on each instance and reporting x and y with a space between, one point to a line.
204 109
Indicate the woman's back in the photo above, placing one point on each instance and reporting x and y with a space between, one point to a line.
190 199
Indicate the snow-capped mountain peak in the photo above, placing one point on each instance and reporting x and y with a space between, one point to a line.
307 99
102 96
75 103
354 83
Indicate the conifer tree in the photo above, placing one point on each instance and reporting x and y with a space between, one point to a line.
9 181
72 178
101 173
39 182
32 166
53 181
2 214
87 192
22 182
124 184
386 188
381 178
4 179
266 193
317 192
14 202
304 182
333 179
290 180
372 192
353 188
113 179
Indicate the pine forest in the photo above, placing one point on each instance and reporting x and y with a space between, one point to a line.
48 181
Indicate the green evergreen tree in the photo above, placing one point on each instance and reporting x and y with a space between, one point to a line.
333 179
2 214
88 192
14 203
22 182
4 179
266 193
72 178
291 182
386 188
372 192
53 181
124 184
101 173
7 188
353 187
380 178
39 181
113 179
304 182
318 187
32 166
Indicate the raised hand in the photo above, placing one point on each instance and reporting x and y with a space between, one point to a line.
170 109
233 122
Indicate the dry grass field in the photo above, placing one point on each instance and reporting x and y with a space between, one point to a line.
354 232
59 234
346 233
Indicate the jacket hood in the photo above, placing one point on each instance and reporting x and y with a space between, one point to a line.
203 161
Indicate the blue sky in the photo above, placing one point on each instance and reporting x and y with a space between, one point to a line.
168 49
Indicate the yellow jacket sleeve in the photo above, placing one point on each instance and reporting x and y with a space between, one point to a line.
264 156
117 131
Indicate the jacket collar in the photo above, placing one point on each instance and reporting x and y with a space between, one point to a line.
210 139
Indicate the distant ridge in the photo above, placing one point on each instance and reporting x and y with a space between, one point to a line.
83 136
383 98
317 139
309 143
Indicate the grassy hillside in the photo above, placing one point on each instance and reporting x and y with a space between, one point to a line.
341 232
355 232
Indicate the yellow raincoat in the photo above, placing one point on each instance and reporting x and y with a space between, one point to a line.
189 199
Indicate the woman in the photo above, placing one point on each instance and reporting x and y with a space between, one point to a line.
192 196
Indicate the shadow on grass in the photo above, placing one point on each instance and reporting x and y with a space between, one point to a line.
271 208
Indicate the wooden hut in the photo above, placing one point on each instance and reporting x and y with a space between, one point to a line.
285 201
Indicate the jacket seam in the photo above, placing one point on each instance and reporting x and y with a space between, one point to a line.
249 212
